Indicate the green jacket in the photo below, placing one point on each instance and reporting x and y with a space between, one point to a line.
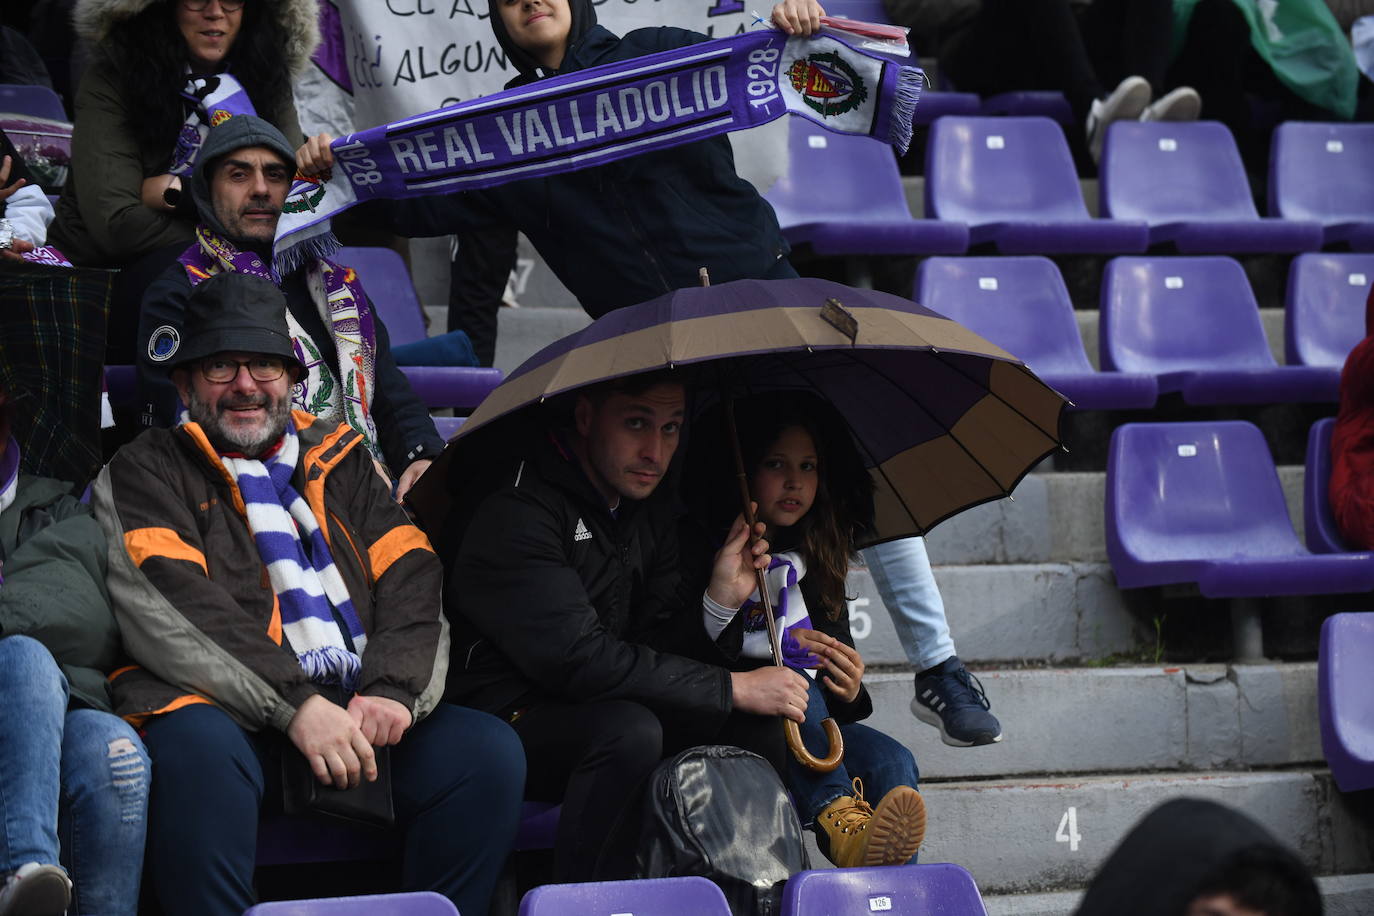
54 588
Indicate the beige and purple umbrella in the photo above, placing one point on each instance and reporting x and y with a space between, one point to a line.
944 419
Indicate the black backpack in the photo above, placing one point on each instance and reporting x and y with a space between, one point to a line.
722 813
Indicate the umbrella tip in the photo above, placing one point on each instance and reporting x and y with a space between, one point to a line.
704 275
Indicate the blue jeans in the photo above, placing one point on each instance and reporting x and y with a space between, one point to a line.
880 761
457 779
901 570
75 790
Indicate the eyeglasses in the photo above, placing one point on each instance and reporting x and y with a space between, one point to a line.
262 368
229 6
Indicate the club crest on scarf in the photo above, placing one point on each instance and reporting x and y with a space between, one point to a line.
827 84
306 194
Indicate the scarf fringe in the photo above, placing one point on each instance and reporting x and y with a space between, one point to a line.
321 245
909 83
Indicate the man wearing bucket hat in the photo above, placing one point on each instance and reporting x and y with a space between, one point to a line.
259 567
349 375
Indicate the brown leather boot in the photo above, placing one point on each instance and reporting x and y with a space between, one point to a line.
851 833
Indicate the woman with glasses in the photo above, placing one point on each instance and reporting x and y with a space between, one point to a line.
161 72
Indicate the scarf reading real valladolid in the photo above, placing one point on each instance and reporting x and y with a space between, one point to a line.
603 114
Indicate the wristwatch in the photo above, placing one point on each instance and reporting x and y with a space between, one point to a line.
6 234
171 195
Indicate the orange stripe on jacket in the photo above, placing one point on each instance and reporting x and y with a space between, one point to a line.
146 543
140 719
393 545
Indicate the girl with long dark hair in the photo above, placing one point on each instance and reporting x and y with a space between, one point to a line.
813 492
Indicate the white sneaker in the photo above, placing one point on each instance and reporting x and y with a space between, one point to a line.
1183 104
1126 103
36 890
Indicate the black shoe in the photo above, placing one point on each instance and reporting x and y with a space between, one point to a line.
952 700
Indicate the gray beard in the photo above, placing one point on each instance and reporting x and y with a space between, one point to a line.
224 440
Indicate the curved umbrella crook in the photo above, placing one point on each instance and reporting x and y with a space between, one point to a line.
794 739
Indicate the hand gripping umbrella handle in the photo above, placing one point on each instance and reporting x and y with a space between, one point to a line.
790 730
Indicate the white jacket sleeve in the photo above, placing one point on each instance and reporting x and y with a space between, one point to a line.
29 213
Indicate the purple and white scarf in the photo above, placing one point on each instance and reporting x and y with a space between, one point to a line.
789 610
9 483
341 393
607 113
307 584
213 99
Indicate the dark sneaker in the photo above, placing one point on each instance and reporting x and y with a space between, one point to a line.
952 700
36 890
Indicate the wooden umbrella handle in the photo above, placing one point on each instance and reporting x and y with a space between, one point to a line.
805 757
790 729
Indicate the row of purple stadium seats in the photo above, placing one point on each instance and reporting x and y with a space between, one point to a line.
1189 325
1201 503
1010 182
909 890
34 101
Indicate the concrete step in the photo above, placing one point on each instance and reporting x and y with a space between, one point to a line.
1052 517
1104 720
1037 835
1342 895
1054 612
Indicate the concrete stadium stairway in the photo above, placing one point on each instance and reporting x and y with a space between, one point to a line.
1089 748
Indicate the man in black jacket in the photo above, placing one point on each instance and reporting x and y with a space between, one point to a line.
571 621
239 187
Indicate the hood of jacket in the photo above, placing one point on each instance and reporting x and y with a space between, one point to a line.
236 133
1166 860
583 18
93 20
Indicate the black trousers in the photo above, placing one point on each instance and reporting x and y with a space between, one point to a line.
477 279
594 757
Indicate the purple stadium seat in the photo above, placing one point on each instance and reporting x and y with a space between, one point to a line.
1194 324
1031 103
1022 305
902 890
463 387
935 104
1321 172
1201 502
1318 521
1186 180
35 101
689 896
448 426
1345 704
417 903
1325 314
538 822
842 195
1013 182
387 282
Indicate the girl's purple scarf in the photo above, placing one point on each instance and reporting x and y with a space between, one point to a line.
607 113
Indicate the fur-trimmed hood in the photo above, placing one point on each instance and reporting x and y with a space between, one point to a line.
298 18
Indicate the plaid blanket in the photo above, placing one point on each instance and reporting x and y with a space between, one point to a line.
52 349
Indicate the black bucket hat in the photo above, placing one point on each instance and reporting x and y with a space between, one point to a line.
234 311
